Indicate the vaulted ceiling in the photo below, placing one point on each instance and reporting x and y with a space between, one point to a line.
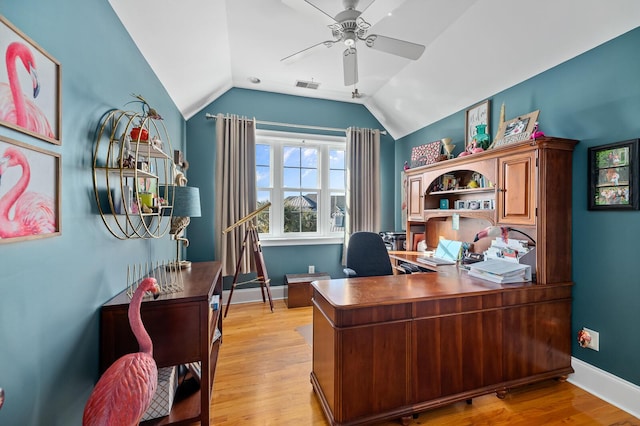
474 48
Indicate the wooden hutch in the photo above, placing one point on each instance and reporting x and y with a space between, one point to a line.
526 186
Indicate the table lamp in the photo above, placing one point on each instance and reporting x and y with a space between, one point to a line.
186 204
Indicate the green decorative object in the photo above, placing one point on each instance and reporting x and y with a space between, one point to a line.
481 137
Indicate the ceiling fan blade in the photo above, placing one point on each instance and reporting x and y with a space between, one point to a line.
322 11
306 52
394 46
350 62
309 11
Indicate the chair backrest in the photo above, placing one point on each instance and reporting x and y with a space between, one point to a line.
367 255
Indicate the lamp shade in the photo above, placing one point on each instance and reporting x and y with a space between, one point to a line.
186 201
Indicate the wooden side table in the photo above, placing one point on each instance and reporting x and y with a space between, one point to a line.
298 291
182 328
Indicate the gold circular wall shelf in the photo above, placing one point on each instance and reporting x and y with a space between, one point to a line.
131 171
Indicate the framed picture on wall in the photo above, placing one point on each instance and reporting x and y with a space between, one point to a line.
477 114
30 192
613 176
30 84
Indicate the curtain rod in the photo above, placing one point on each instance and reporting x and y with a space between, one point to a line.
209 116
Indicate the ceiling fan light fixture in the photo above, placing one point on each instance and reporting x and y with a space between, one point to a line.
349 39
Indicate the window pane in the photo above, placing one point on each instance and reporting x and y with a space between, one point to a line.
291 156
336 179
309 178
336 169
309 158
336 159
300 212
338 204
291 177
263 155
264 217
263 176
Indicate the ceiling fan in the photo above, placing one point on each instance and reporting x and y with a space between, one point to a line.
348 28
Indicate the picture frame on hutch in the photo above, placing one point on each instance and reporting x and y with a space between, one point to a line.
34 209
475 115
33 93
428 153
516 130
613 176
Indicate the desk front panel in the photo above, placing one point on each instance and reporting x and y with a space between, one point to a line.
419 351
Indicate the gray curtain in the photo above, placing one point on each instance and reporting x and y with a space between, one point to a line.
235 188
363 183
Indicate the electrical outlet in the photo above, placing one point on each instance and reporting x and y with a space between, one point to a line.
312 269
595 339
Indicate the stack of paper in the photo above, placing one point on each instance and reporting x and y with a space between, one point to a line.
500 271
517 251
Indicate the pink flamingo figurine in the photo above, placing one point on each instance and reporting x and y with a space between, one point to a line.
33 213
15 107
124 392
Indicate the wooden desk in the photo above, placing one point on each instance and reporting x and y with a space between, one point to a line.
388 347
181 326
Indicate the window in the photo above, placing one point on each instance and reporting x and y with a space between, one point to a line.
303 176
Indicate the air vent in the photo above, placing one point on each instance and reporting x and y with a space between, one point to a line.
307 84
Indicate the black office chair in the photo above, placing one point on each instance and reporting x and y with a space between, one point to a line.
367 256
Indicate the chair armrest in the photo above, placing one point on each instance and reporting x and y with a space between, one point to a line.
350 272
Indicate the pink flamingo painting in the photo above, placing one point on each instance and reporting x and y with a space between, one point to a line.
33 212
124 392
15 107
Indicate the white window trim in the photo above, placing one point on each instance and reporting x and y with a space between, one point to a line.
323 237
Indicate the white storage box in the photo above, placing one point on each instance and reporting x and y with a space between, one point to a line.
166 391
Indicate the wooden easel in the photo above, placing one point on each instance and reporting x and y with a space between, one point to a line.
251 237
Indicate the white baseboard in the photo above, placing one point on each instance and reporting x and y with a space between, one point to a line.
606 386
248 295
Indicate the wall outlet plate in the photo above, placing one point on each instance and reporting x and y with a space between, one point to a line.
595 339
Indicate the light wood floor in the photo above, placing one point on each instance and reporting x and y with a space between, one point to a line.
262 378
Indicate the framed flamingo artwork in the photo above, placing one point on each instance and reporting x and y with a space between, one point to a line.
30 84
29 192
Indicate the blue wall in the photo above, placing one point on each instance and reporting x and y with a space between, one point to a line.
266 106
51 289
594 98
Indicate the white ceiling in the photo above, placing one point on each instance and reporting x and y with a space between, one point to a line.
474 48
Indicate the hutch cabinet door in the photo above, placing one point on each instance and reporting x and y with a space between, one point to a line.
415 197
516 182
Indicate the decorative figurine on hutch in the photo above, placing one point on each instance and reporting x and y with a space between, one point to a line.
472 148
448 147
536 132
482 138
406 165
